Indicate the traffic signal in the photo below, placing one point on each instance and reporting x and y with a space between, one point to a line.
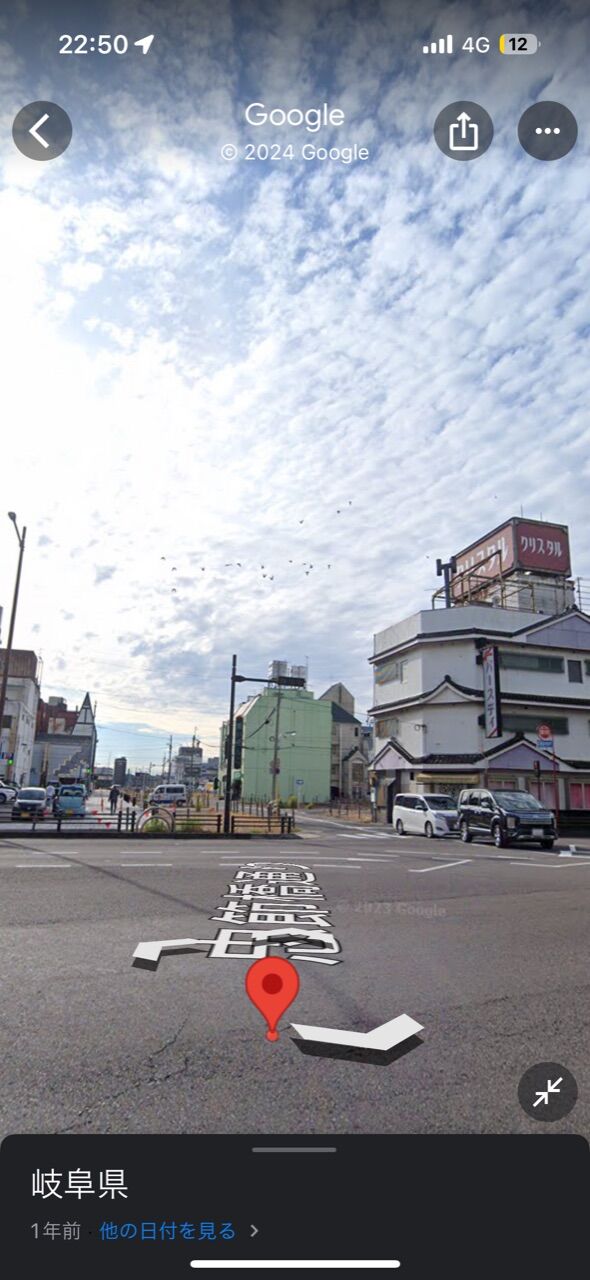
238 741
216 784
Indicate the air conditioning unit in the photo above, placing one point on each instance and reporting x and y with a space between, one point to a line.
276 669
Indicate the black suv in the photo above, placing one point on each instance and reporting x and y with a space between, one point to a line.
506 816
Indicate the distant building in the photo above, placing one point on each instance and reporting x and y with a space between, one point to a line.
103 775
65 743
349 759
17 732
188 763
120 773
210 769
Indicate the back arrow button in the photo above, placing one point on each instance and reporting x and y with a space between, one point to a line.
35 130
42 131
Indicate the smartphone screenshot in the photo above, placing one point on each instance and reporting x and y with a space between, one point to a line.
294 638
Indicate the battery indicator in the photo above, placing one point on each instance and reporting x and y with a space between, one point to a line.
519 43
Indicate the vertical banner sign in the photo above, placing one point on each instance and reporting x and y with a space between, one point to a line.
491 692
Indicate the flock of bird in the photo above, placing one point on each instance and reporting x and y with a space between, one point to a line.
263 569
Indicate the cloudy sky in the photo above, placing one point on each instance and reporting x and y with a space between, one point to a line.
327 374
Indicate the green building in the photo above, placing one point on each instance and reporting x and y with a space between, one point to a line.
302 753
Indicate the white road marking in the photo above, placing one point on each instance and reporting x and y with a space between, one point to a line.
144 864
382 862
380 835
552 866
43 866
418 871
335 867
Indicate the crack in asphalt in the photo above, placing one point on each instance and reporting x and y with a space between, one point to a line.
139 1082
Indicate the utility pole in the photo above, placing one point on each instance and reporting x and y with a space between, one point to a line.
275 759
170 758
8 649
229 746
193 757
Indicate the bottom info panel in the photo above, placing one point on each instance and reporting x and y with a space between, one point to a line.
420 1206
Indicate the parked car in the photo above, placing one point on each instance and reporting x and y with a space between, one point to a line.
70 800
169 793
507 816
30 803
8 793
425 815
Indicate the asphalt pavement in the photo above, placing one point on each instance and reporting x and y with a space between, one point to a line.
486 949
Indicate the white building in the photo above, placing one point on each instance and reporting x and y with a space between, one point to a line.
428 703
17 732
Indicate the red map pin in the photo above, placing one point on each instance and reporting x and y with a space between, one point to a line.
272 985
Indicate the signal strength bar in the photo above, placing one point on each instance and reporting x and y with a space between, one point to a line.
443 45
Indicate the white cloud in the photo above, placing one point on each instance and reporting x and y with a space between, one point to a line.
200 355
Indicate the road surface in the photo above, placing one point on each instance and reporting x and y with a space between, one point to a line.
486 949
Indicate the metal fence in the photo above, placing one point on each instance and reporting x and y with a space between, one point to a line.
156 821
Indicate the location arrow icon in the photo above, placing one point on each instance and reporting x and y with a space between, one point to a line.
145 43
382 1039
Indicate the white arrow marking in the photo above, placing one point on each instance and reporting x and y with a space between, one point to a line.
542 1095
384 1037
37 136
145 43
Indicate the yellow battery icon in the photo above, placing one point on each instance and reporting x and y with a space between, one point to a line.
519 43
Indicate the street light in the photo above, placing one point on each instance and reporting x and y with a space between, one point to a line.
291 682
8 650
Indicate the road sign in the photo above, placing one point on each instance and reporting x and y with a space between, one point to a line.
544 737
299 782
491 692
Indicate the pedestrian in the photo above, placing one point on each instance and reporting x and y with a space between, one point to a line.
113 797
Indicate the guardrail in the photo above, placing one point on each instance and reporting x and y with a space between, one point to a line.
156 821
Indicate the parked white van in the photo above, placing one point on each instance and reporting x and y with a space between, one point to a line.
425 815
169 793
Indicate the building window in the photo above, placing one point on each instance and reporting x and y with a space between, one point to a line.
387 672
574 670
7 722
387 728
529 724
529 661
